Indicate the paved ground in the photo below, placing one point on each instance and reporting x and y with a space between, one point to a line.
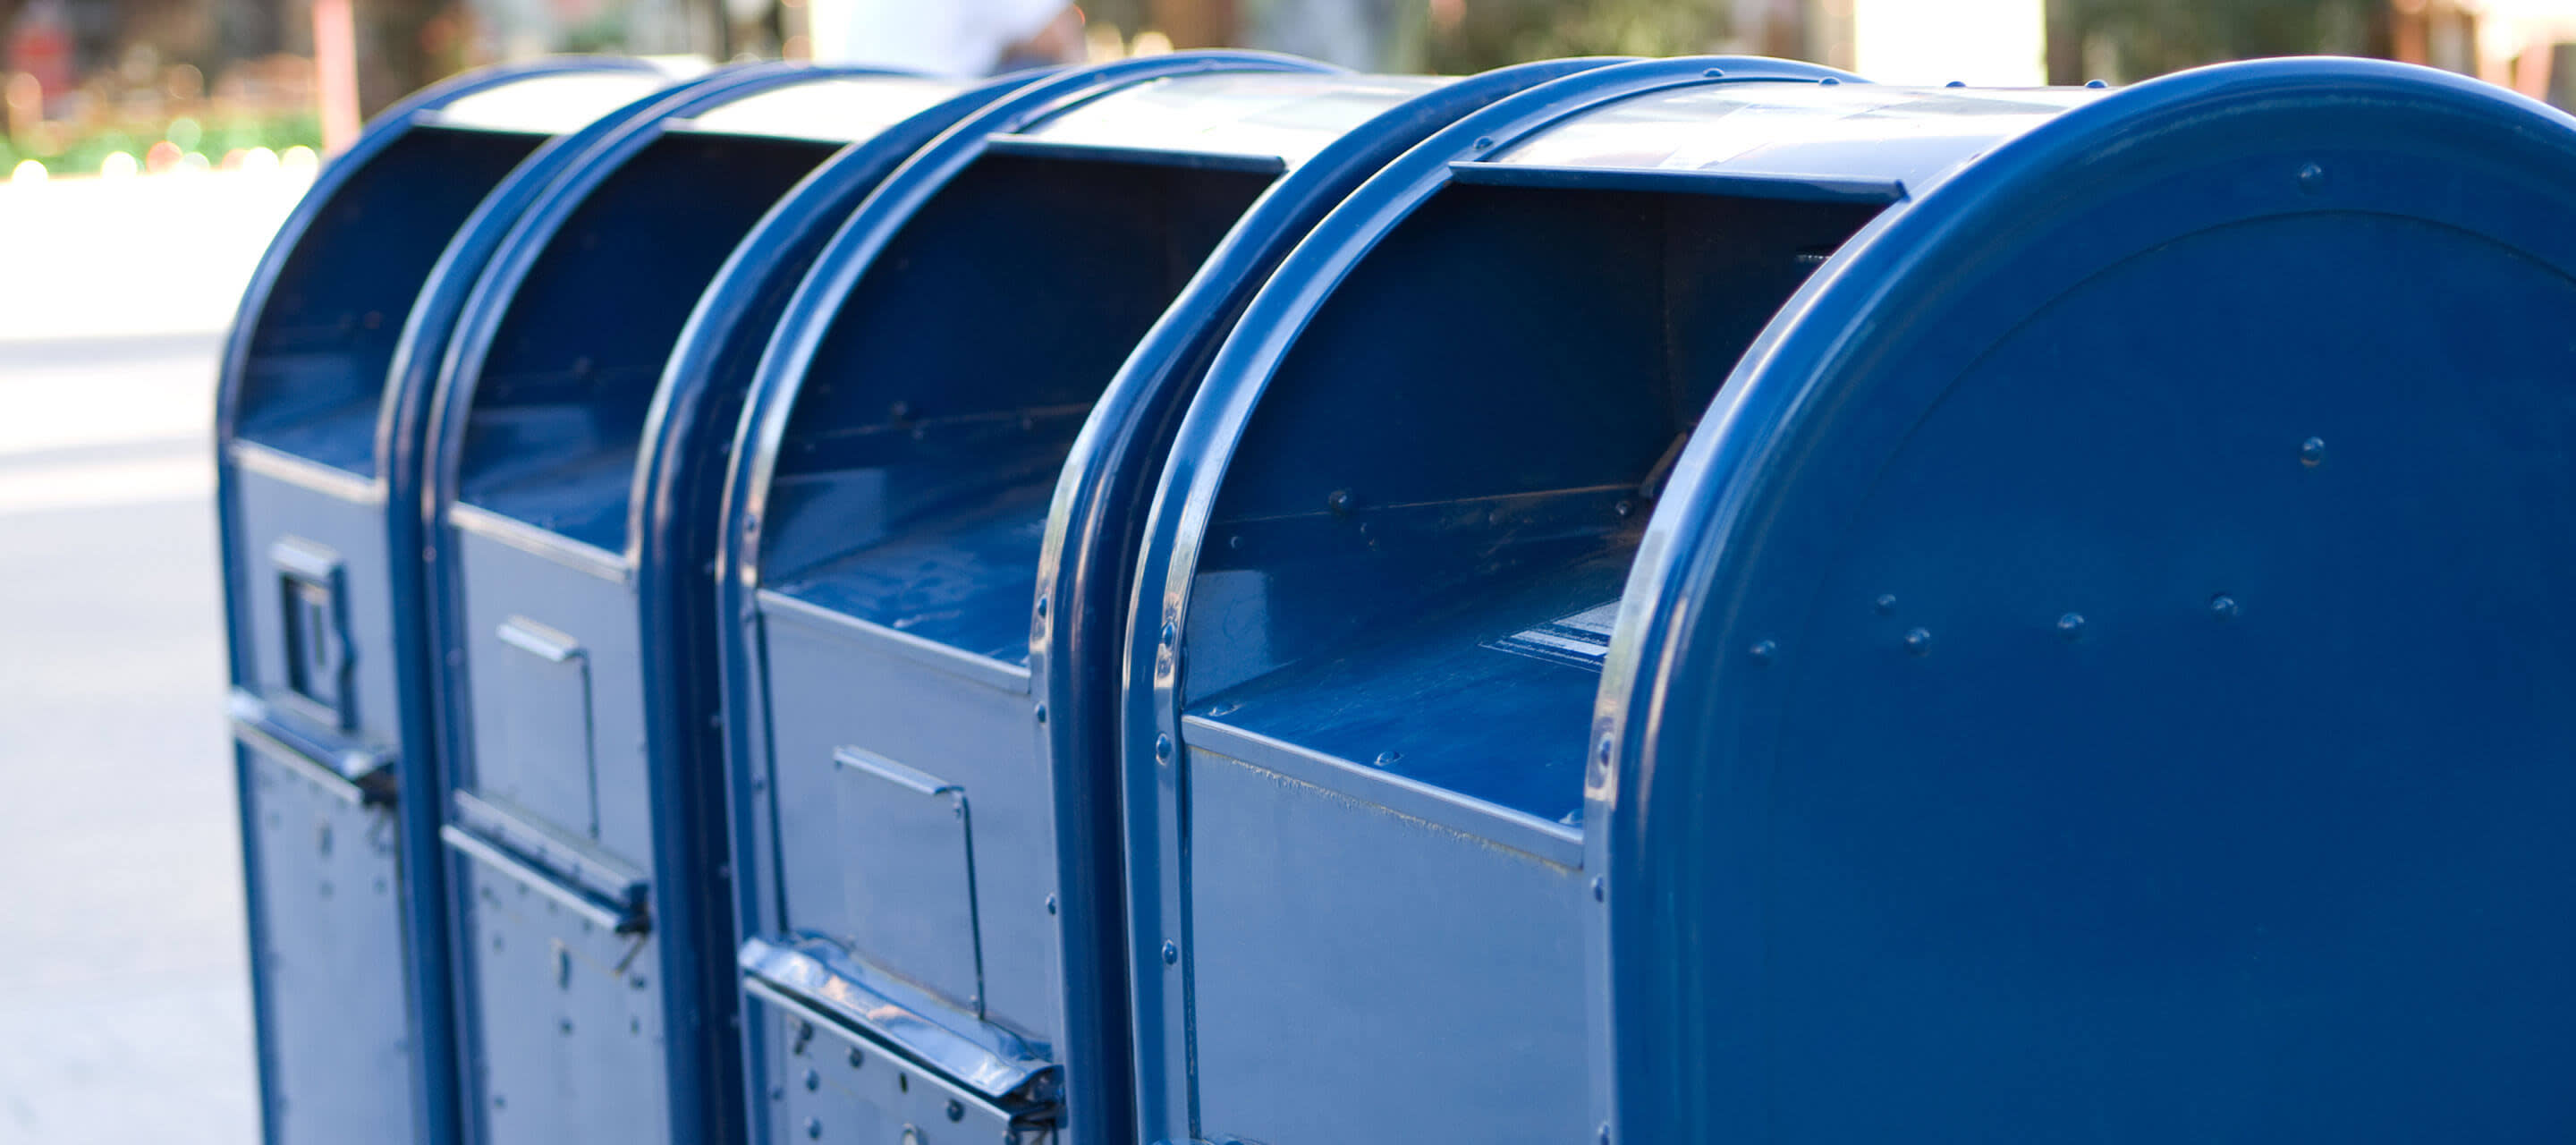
124 1006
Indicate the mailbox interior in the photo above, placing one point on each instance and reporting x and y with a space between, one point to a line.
559 411
920 459
1441 492
322 346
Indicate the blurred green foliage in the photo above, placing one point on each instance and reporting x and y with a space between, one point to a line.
82 151
2137 39
1491 33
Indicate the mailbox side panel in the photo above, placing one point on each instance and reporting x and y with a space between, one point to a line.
833 686
1375 933
349 531
569 1019
339 1034
338 1030
566 1016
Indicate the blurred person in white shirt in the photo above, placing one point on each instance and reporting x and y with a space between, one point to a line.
948 37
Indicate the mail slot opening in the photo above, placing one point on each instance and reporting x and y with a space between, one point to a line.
915 476
1444 485
319 354
313 662
560 407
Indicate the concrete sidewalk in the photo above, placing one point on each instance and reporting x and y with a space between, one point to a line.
141 255
124 1001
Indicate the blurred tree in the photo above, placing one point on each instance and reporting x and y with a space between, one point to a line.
2122 40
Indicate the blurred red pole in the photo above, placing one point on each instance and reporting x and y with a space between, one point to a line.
335 62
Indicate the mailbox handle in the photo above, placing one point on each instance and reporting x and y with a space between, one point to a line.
358 775
550 645
901 775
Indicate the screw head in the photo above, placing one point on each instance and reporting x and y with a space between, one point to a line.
2312 178
2071 625
1919 641
2312 452
1885 604
814 1127
813 1080
1389 758
1163 749
956 1110
2223 606
1600 889
1050 904
1171 953
1763 651
1339 501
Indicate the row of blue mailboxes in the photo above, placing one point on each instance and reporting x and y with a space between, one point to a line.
1211 599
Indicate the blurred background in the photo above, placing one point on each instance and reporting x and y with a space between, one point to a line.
148 148
172 84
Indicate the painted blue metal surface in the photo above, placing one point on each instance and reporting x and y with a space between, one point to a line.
902 500
2095 673
316 423
1087 555
576 449
1361 657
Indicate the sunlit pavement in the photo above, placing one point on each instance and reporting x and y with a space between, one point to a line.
124 1001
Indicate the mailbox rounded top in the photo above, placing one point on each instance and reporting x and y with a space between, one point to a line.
556 100
2094 636
1281 116
832 106
1792 130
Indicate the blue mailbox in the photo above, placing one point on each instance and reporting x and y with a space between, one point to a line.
2100 670
575 464
1384 565
930 529
323 391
